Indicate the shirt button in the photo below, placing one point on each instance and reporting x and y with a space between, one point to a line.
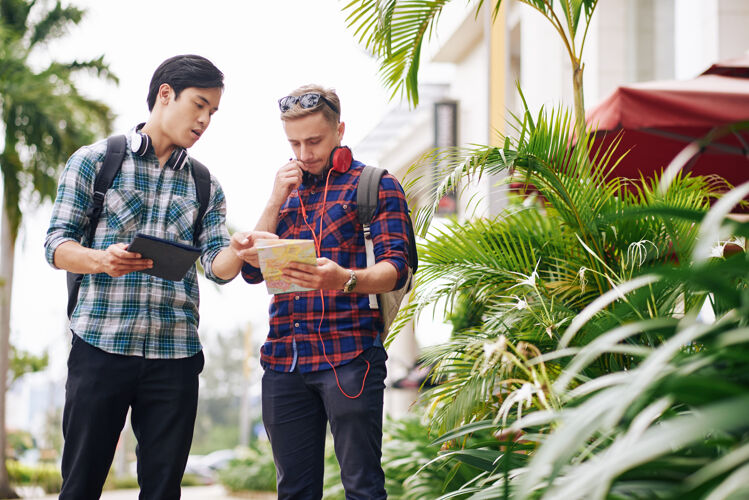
312 192
296 325
345 206
296 298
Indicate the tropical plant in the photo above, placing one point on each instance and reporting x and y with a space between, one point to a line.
394 31
411 473
407 460
44 119
535 267
550 278
672 426
576 340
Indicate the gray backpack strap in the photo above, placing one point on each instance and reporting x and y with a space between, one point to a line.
367 197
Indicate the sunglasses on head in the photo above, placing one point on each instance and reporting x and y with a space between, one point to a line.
306 101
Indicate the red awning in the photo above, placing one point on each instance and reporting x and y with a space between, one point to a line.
658 119
738 68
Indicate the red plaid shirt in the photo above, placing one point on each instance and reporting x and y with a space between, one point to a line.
349 326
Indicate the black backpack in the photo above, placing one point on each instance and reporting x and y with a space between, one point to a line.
367 193
116 146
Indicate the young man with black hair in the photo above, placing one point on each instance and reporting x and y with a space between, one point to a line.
324 360
135 336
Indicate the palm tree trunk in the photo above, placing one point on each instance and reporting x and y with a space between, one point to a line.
579 101
7 255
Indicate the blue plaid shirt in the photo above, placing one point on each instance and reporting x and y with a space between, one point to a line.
349 326
137 314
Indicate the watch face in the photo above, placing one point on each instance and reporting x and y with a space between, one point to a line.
351 283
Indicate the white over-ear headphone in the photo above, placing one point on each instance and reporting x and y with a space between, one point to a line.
140 143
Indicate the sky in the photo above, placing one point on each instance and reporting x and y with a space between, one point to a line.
265 50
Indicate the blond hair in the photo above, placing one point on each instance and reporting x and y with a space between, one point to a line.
329 113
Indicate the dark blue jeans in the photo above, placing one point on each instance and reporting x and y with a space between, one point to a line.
163 394
296 410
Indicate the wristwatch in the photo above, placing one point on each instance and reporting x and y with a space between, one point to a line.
349 286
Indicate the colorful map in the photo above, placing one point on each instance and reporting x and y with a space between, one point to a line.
274 255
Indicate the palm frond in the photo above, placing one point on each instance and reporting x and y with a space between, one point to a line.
55 23
45 117
394 32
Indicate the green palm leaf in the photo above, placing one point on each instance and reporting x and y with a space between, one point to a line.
394 31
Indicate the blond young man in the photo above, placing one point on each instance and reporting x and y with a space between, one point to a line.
324 360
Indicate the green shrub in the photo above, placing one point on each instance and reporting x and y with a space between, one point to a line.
121 483
255 472
131 482
406 448
45 476
192 480
19 474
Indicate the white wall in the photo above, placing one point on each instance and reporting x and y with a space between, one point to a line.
545 69
733 28
696 36
470 88
707 31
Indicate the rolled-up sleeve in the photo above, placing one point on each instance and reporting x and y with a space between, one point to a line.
69 221
390 228
251 274
214 235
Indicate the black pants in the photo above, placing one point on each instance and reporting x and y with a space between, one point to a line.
296 410
163 395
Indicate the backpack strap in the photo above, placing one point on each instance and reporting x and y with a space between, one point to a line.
366 203
111 164
110 167
116 146
367 196
202 178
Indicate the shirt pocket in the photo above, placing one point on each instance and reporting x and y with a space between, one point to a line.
124 210
341 229
287 221
180 218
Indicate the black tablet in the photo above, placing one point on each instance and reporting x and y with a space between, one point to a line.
171 260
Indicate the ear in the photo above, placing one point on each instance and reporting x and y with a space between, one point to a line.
341 129
165 93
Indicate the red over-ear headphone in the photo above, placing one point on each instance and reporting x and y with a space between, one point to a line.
340 159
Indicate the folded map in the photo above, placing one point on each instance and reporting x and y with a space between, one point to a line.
274 255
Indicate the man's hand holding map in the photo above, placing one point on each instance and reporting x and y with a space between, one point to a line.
274 255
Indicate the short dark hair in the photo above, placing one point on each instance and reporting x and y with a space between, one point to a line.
184 71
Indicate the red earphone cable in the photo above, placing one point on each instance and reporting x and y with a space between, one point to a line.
318 243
